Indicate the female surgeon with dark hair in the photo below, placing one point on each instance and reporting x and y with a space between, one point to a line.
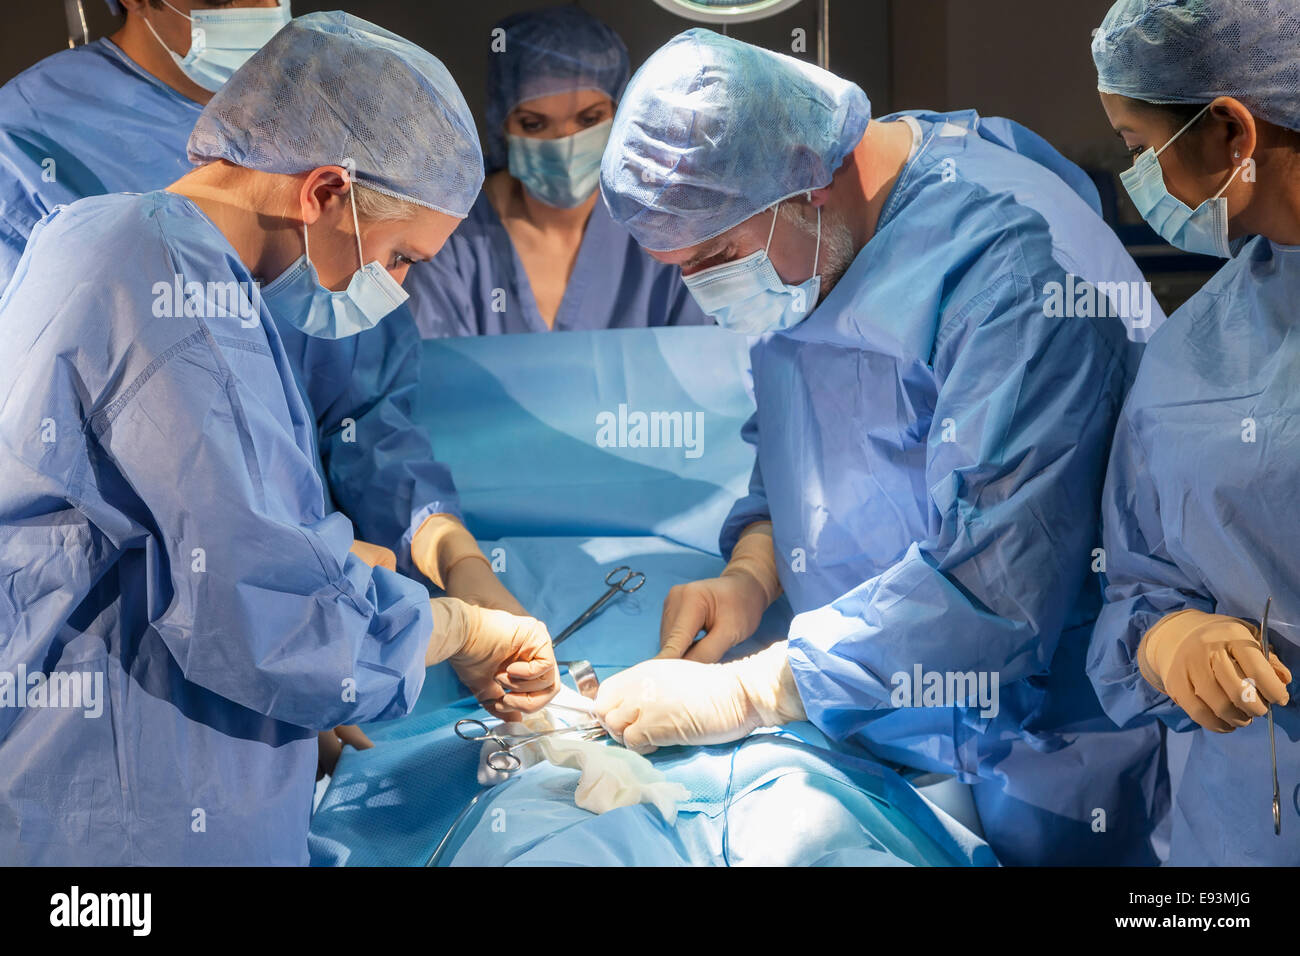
539 250
1199 507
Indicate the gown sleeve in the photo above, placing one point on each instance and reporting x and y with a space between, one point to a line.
1143 584
1015 456
254 592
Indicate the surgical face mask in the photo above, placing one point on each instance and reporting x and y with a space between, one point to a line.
1203 230
298 297
748 296
221 41
560 172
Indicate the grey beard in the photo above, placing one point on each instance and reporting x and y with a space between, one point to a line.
837 252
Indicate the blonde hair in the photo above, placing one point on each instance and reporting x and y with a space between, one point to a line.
374 206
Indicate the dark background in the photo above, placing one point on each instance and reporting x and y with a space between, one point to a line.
1027 59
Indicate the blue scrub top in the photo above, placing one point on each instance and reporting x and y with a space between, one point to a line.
1200 512
476 285
108 126
165 544
84 122
931 443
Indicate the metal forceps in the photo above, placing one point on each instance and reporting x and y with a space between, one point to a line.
617 585
1272 740
504 760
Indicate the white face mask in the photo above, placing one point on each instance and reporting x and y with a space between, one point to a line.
222 41
1203 230
748 296
560 172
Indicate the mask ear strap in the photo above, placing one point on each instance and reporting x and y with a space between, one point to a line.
1183 130
159 38
818 254
771 232
1235 170
177 12
352 191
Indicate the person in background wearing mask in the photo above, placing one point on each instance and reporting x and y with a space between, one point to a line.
539 250
115 116
163 530
1198 512
931 436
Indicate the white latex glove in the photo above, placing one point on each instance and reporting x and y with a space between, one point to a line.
377 556
493 650
449 556
662 703
727 608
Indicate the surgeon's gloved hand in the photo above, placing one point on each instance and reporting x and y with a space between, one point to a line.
329 746
728 608
505 660
474 582
374 555
444 550
663 703
1213 667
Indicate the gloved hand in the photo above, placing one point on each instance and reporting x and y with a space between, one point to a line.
329 746
491 651
1206 663
374 555
444 550
728 607
474 582
662 703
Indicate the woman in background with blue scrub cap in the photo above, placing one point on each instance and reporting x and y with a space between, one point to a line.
165 537
539 251
1200 527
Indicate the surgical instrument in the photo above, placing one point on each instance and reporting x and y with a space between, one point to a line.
622 585
504 760
1272 740
584 678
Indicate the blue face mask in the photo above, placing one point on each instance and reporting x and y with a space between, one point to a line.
560 172
298 297
221 41
1203 230
748 296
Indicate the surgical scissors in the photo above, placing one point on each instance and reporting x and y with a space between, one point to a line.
1272 740
504 760
621 585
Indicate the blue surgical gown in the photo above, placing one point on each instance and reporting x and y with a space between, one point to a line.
164 536
108 126
930 450
1200 512
476 285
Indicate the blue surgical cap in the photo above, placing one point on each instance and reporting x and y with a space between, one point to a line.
712 131
1191 51
330 87
556 50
